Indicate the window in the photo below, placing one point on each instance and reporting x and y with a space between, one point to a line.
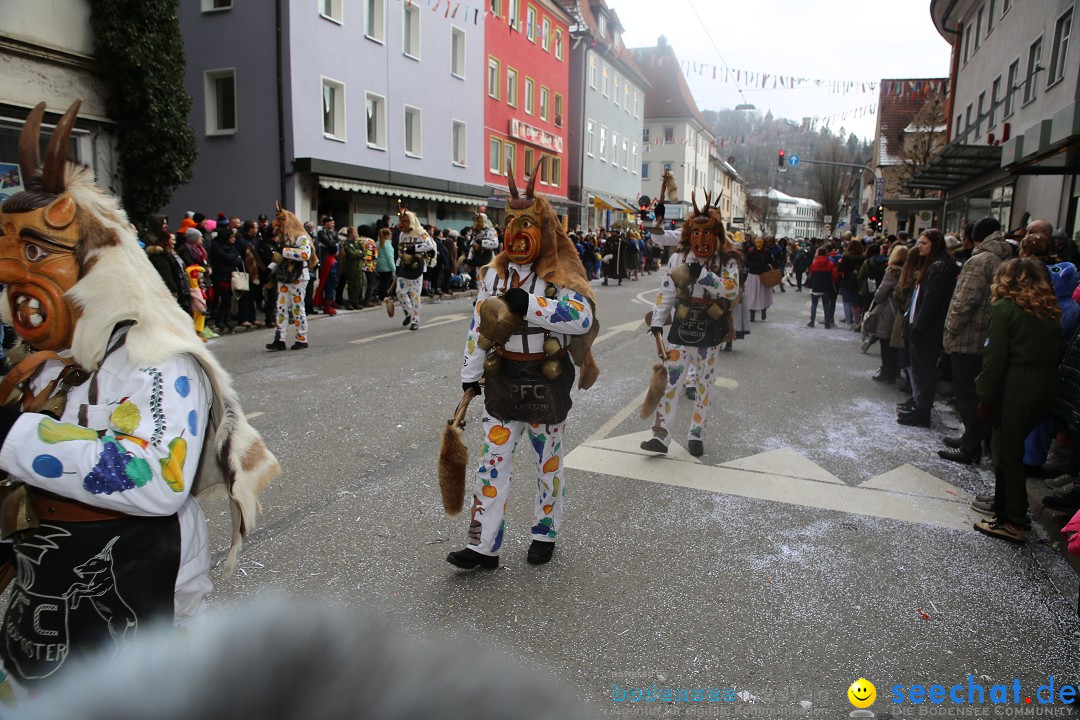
1012 87
614 148
967 43
601 24
558 110
530 24
1031 88
979 115
333 95
529 95
1062 30
1006 6
633 158
592 71
331 10
458 140
644 171
219 90
514 13
410 31
558 44
375 20
645 133
978 29
995 98
967 117
626 96
457 52
413 128
959 124
493 78
669 135
496 7
530 162
637 104
544 103
216 5
509 155
495 161
625 154
544 168
511 87
605 81
545 34
556 170
376 121
667 166
618 82
990 17
603 144
590 138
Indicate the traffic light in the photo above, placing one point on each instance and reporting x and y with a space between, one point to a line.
881 217
780 159
874 221
643 207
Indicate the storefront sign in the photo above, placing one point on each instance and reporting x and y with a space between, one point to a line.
535 136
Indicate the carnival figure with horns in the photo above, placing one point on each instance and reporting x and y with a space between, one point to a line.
115 415
416 255
533 321
291 267
696 298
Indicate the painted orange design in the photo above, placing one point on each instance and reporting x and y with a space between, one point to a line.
542 302
489 491
548 509
697 417
138 441
728 285
576 305
673 355
712 361
284 289
552 464
499 434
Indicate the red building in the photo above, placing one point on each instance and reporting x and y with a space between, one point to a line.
528 76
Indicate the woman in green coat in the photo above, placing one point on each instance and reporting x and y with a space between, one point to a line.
1017 384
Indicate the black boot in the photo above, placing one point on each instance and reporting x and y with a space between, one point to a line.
468 559
727 346
278 344
764 313
540 552
752 316
959 456
915 418
654 445
906 406
695 448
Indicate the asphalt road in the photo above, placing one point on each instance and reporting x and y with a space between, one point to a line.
815 543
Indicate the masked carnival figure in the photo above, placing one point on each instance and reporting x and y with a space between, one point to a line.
416 255
701 283
533 321
115 417
291 265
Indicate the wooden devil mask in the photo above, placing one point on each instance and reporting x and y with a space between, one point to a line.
524 237
40 245
704 230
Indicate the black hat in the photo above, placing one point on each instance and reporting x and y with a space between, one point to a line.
262 217
984 228
326 219
198 218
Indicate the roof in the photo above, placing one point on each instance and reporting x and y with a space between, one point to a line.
956 164
584 11
899 101
780 197
670 96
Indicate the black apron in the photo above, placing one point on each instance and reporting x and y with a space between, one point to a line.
699 328
520 391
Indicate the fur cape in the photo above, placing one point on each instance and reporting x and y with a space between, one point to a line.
234 457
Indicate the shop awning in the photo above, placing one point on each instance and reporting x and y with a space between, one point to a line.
370 188
954 165
608 202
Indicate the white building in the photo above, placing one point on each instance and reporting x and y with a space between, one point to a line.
787 216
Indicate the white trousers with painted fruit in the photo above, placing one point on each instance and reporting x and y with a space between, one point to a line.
487 524
408 296
703 363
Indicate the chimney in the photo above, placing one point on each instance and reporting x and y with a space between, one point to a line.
661 42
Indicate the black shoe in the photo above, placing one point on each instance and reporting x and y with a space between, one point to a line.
953 442
810 324
406 321
914 419
540 552
298 346
882 377
1068 500
763 313
958 456
695 448
906 406
828 326
727 346
276 345
654 445
604 282
691 393
468 559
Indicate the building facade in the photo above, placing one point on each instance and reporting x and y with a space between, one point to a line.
367 106
785 216
1013 113
526 74
675 135
52 41
604 149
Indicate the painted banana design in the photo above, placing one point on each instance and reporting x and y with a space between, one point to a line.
172 467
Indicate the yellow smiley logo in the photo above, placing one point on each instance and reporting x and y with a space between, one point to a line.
862 693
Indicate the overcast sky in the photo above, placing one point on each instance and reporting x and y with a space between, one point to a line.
847 40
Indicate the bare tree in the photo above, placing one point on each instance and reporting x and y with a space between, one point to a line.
828 180
923 139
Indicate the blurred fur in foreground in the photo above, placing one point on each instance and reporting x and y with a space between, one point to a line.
299 661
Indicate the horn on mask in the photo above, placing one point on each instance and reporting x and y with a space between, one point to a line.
693 200
532 178
30 144
510 179
52 177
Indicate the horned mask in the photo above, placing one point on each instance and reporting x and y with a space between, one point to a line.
524 221
44 238
704 231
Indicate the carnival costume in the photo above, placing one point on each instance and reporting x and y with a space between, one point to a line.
291 267
533 321
700 285
117 415
416 254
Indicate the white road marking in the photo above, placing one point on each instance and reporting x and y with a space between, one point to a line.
603 430
651 293
633 325
726 383
445 319
253 415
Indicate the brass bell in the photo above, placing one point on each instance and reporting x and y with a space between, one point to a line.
497 322
492 364
484 343
551 291
681 276
683 312
715 312
551 368
551 346
17 511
